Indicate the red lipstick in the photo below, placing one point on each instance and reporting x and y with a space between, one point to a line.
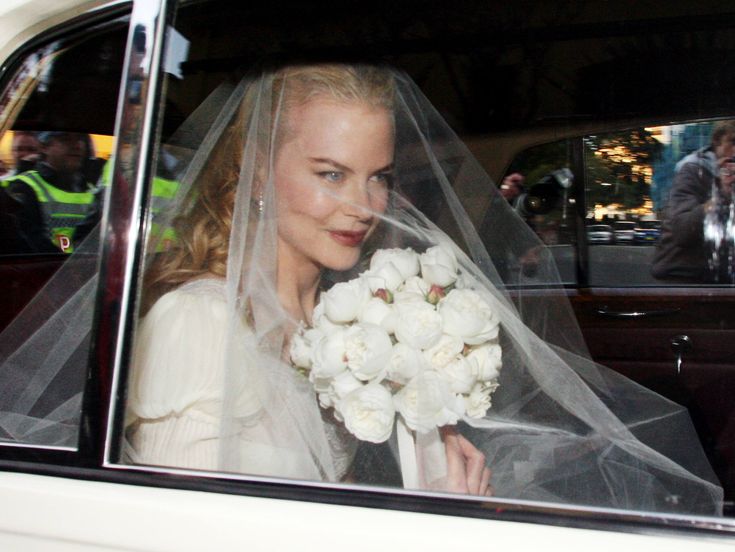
348 238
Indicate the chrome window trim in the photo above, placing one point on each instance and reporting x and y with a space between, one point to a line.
123 246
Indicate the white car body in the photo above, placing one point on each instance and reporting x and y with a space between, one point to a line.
84 512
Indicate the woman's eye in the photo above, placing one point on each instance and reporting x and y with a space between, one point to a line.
331 176
383 178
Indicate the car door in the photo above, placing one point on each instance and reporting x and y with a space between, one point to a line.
83 492
669 335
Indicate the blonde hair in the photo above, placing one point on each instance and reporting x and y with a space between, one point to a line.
203 231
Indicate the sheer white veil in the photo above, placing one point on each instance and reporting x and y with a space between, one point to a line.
561 428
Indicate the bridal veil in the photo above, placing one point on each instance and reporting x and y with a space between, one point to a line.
560 429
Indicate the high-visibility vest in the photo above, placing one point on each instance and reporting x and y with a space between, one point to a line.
62 211
163 192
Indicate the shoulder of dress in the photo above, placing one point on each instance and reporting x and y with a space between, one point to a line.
178 355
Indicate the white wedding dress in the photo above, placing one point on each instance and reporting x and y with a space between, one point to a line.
175 395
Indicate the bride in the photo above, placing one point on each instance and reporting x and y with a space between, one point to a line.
303 173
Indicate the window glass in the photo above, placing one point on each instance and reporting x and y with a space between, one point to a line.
56 126
224 372
540 185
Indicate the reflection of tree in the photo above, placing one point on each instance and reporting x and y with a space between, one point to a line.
618 167
535 163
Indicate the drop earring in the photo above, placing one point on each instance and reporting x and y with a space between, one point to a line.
261 204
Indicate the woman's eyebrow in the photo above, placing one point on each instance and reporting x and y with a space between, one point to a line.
331 162
344 168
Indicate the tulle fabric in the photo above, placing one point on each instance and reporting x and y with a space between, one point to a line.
561 428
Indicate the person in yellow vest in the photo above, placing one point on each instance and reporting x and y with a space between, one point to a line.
164 190
49 202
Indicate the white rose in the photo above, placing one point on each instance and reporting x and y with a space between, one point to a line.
444 351
368 413
343 302
486 362
458 374
328 357
466 315
367 349
378 312
405 362
417 324
426 402
478 401
406 261
439 266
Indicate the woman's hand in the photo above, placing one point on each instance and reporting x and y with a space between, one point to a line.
466 469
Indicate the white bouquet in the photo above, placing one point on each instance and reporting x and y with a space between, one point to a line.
409 336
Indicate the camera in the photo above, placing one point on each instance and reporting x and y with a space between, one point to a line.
543 196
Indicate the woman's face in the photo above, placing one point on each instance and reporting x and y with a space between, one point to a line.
331 178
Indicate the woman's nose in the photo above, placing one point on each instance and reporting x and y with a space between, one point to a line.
358 200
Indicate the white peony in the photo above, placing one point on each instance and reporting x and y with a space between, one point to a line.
378 312
458 374
300 351
367 350
343 302
328 357
368 413
478 401
405 261
486 361
439 266
322 323
414 289
405 362
326 400
466 315
385 276
443 351
344 384
426 402
417 324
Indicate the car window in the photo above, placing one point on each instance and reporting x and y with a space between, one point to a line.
56 137
556 186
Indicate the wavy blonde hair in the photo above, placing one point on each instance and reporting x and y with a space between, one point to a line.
203 231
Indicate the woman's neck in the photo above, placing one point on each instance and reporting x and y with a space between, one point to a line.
298 281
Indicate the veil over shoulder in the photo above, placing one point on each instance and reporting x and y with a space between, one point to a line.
560 429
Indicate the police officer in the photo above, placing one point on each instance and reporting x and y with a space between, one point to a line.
49 202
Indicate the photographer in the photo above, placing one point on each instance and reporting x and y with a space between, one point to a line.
694 247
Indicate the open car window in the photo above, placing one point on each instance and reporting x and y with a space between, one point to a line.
56 127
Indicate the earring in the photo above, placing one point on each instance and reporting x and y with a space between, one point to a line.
261 203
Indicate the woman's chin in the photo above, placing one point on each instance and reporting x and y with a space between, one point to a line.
340 263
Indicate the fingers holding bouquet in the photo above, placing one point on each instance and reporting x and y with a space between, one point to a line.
467 472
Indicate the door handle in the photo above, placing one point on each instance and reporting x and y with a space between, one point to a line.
680 344
627 315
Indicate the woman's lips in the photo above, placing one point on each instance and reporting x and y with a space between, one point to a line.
348 238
